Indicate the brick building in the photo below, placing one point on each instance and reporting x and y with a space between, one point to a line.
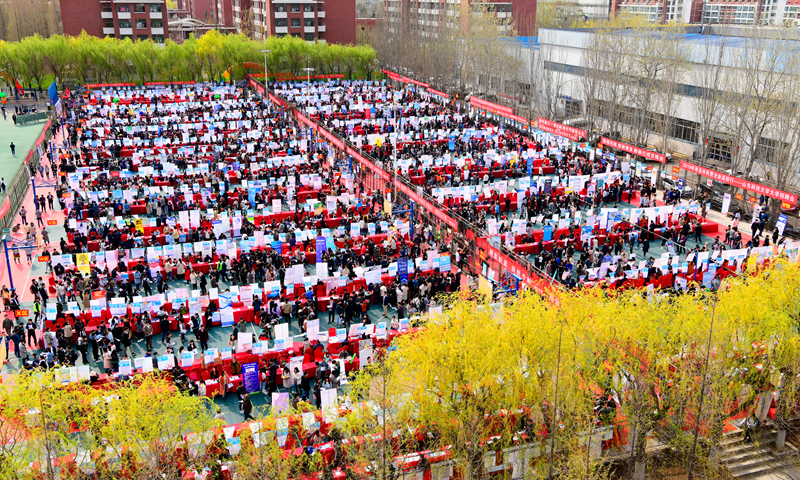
431 17
134 19
332 21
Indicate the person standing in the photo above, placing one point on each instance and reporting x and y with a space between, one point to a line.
39 220
148 335
247 407
13 147
202 336
23 214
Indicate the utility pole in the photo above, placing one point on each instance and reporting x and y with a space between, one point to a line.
266 73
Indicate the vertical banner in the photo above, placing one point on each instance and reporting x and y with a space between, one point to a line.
726 203
250 377
402 269
321 247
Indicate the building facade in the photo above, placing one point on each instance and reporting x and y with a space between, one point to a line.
715 12
331 21
133 19
429 18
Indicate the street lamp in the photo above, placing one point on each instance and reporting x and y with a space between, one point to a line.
266 76
308 71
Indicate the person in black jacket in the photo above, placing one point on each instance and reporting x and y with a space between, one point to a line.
305 386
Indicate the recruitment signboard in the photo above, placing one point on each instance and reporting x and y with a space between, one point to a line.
642 152
560 129
741 183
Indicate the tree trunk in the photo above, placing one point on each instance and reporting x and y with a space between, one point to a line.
639 469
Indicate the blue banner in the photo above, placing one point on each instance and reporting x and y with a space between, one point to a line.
402 269
250 377
548 186
548 233
322 246
53 92
277 247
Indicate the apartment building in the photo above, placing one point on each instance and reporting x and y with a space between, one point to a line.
134 19
332 21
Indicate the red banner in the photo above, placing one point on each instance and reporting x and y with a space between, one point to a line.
427 206
66 94
534 282
741 183
103 85
259 88
43 258
21 313
276 100
560 129
97 294
363 161
642 152
52 222
156 84
492 107
287 76
437 92
5 208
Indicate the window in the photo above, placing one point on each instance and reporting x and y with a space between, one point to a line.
719 149
139 8
574 108
309 37
106 8
685 130
109 24
155 8
158 38
280 22
142 37
141 23
124 8
308 8
157 23
128 37
280 8
280 35
296 35
309 22
295 22
294 9
768 150
124 24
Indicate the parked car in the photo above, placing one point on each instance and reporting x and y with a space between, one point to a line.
671 184
716 195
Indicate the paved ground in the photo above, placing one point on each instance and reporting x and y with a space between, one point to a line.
23 137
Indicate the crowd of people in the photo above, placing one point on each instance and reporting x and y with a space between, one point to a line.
210 190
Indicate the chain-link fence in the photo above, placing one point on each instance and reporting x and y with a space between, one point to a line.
19 185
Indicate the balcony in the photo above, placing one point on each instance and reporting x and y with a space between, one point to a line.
108 30
106 14
308 29
156 15
125 31
320 28
281 29
308 14
157 31
124 15
281 15
320 14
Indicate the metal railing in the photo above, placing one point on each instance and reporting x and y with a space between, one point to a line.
465 228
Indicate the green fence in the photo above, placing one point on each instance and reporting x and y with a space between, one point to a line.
32 118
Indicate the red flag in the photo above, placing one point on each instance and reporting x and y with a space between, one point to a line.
19 87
